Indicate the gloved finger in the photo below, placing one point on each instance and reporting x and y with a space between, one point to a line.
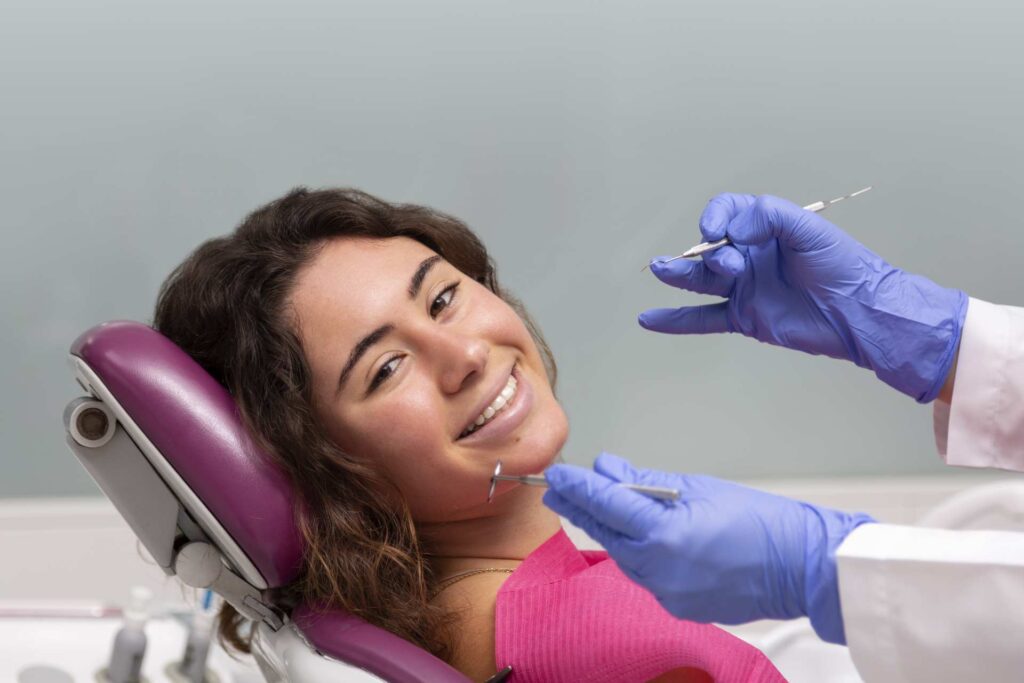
707 319
770 217
727 261
621 470
614 506
719 212
608 538
693 276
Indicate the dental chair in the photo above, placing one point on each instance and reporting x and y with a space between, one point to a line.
164 442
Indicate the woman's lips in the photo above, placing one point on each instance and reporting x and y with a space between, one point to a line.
510 417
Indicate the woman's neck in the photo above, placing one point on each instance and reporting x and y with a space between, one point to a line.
518 525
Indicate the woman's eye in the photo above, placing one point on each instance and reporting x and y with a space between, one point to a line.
385 372
443 300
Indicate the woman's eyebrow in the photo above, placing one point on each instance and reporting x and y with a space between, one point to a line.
369 340
364 344
421 273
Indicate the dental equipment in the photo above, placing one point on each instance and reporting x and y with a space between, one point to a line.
705 247
657 492
192 667
130 642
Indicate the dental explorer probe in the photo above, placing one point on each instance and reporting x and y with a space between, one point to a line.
705 247
658 492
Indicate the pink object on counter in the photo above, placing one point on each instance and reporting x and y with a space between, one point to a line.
572 615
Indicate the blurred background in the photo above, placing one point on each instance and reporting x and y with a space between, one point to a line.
579 139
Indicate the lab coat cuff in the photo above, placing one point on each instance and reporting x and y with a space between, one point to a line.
984 424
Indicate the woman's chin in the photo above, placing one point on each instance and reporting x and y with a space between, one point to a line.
540 448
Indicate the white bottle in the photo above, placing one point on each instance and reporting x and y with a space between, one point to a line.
130 641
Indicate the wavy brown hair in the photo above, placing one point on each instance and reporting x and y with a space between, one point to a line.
227 306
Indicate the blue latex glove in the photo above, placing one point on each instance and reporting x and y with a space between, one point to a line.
793 279
724 553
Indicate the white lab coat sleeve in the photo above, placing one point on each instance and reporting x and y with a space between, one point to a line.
940 605
933 605
984 424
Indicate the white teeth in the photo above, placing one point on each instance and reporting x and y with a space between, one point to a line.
496 406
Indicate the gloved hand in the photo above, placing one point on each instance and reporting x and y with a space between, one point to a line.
723 553
793 279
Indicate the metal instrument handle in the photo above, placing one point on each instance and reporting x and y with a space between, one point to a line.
659 492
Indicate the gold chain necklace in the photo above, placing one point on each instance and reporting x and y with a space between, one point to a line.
455 578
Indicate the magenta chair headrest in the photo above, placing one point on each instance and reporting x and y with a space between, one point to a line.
194 423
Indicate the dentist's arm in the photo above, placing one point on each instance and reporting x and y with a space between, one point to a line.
793 279
914 605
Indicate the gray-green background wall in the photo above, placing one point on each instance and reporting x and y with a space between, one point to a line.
578 138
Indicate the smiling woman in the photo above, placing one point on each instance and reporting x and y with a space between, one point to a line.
373 354
360 340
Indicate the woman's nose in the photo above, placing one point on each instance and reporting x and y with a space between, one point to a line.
462 360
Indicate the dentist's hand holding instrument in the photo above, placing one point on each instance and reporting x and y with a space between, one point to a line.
723 553
794 279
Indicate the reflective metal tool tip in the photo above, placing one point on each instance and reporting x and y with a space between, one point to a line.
494 481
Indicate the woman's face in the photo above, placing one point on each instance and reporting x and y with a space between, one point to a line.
407 353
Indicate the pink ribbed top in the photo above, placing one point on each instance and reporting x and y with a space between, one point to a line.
572 615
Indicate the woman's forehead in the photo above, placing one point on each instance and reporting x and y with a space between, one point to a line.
354 283
360 264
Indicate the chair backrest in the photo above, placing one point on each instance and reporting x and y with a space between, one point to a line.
187 426
193 422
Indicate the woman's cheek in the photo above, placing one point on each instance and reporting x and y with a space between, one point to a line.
405 430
